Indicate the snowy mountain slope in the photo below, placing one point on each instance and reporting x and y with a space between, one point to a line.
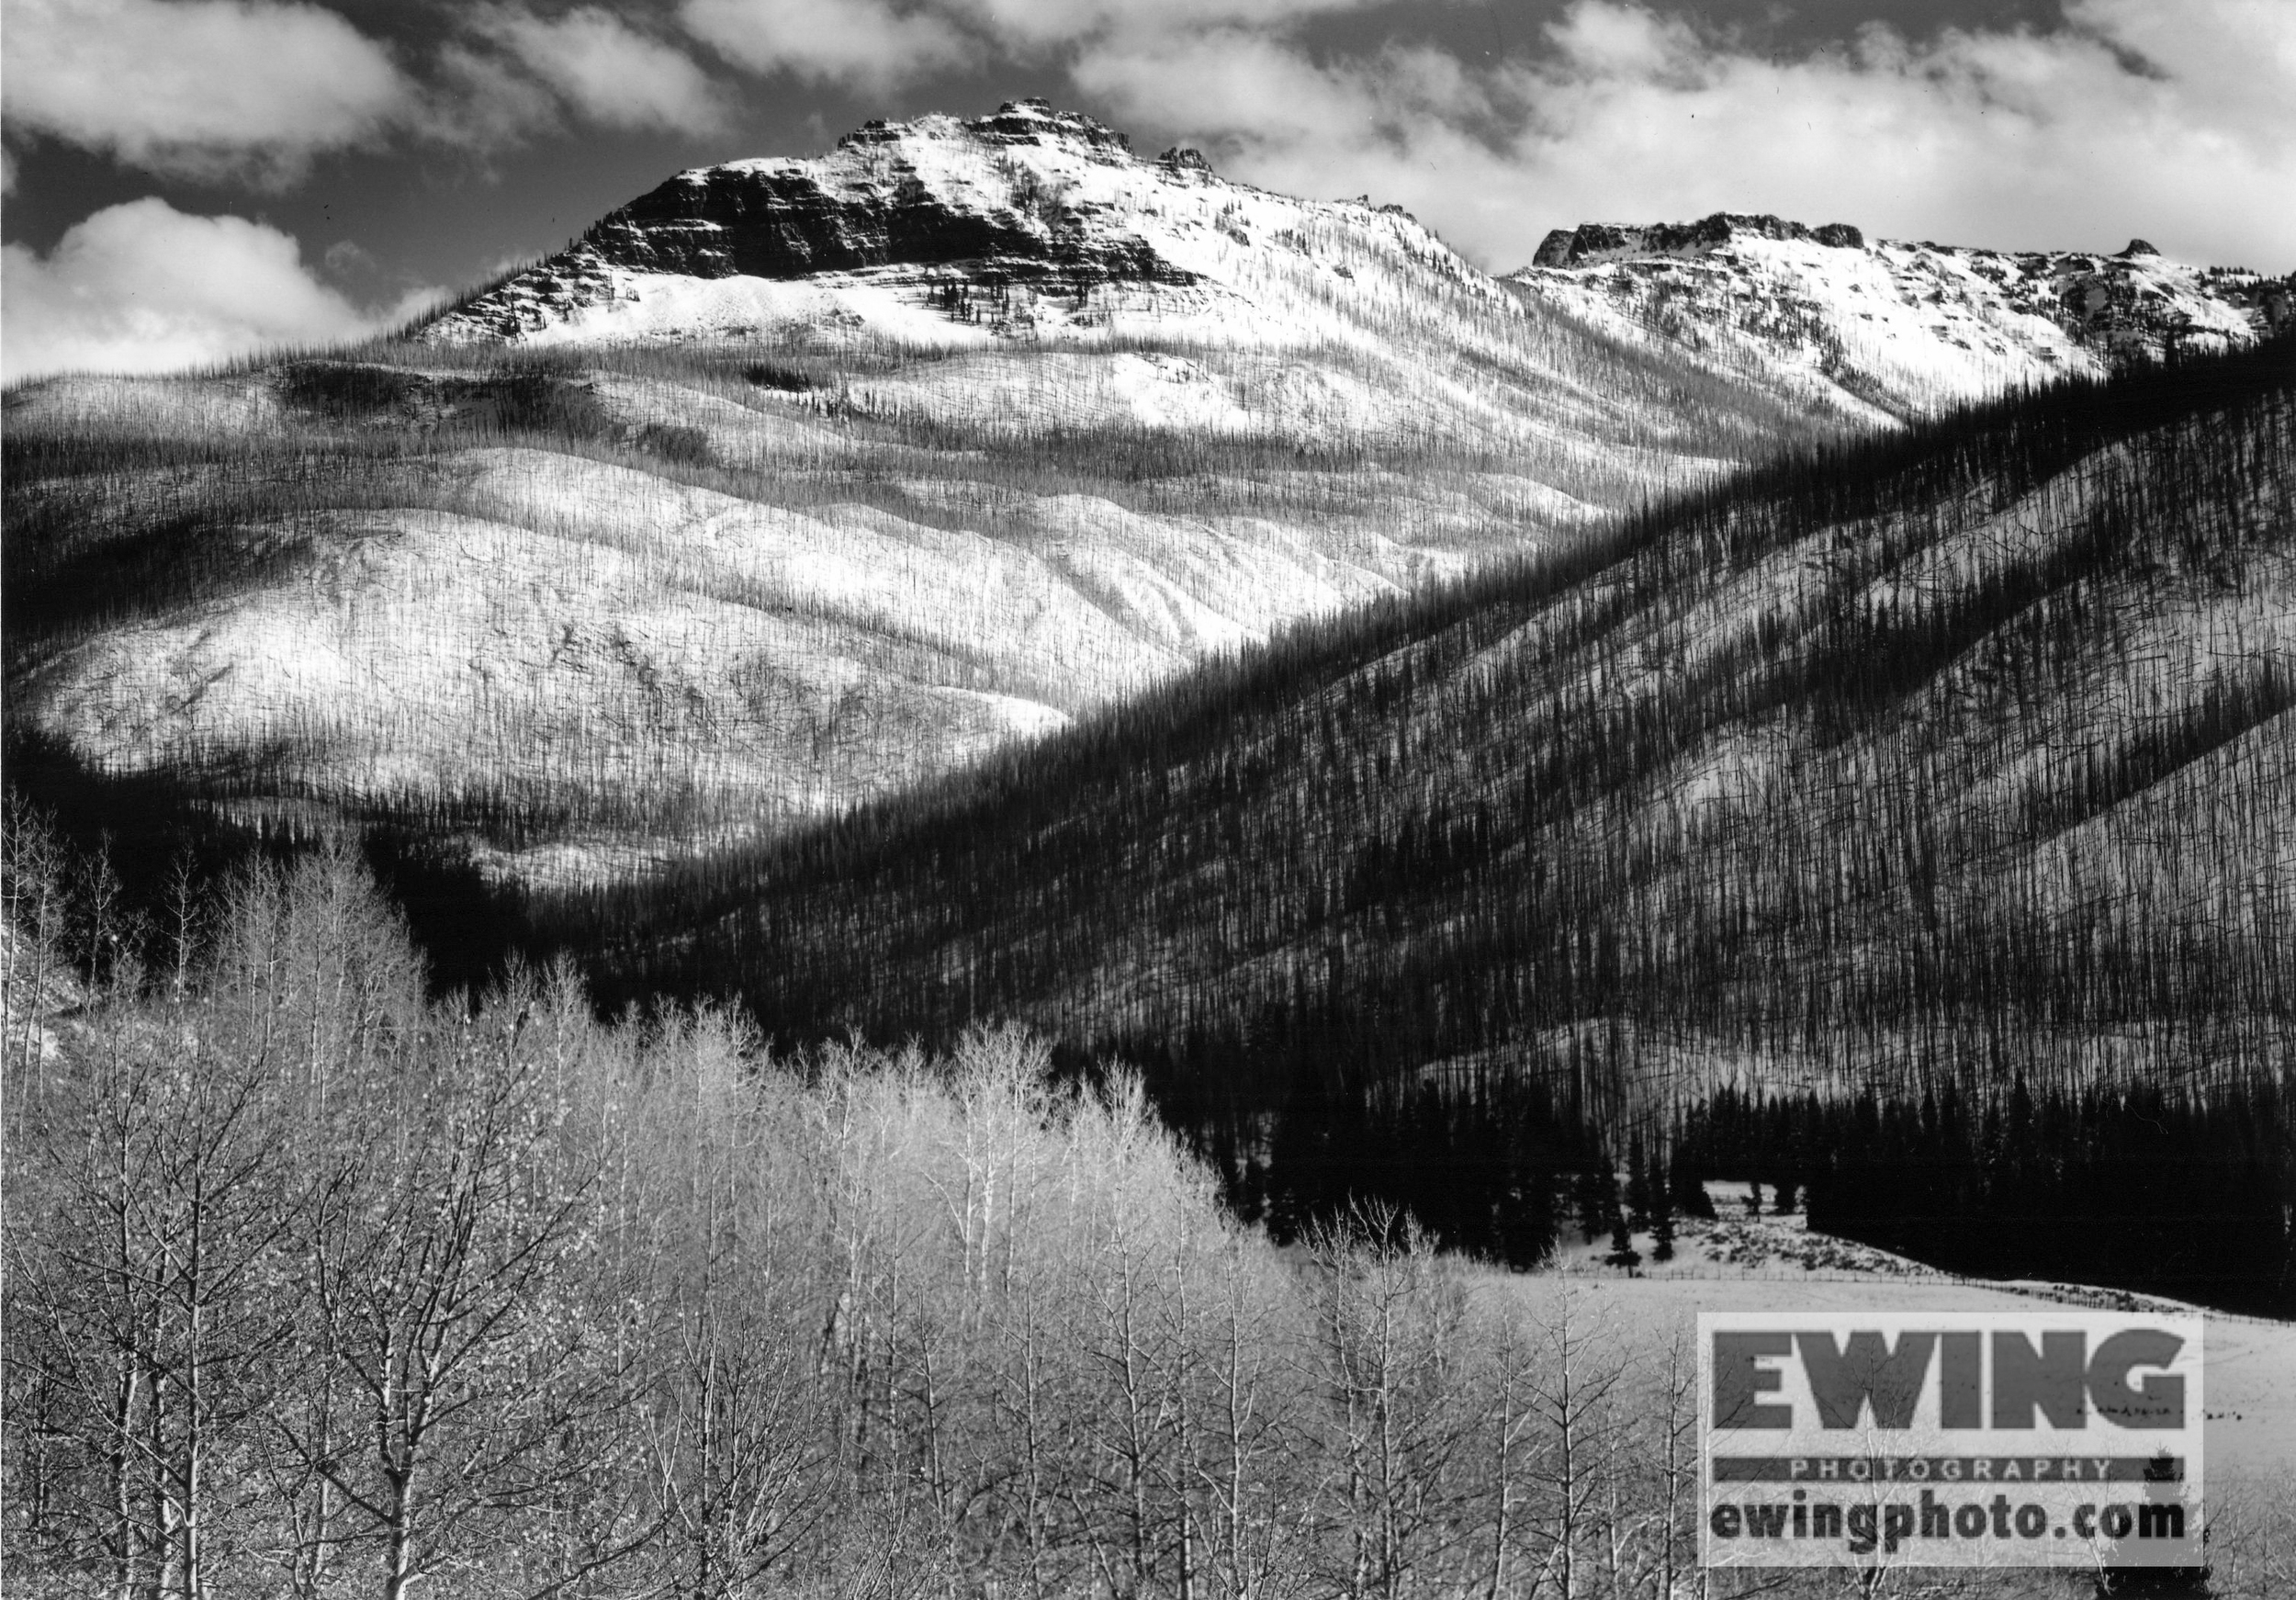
1906 328
643 658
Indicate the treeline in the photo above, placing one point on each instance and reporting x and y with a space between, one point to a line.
2185 1193
316 1286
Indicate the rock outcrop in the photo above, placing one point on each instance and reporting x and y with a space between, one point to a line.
1591 243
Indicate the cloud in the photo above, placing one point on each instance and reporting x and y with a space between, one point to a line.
482 101
144 287
876 45
865 44
1023 24
204 87
604 70
2231 63
2130 122
254 89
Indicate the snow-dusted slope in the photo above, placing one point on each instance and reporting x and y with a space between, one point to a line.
797 482
1906 328
649 658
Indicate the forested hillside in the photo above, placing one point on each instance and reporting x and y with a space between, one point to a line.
1935 759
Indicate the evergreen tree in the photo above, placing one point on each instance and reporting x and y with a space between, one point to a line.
1685 1181
1622 1247
1595 1195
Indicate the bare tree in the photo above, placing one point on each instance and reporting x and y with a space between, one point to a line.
1389 1316
148 1253
741 1438
444 1273
1581 1367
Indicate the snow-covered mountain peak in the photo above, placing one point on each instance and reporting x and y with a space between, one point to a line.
955 231
1904 327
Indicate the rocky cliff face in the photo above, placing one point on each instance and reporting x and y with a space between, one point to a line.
763 220
1591 243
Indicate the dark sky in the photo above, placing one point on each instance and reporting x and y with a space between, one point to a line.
403 145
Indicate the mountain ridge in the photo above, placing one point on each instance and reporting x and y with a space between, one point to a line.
1032 223
1906 326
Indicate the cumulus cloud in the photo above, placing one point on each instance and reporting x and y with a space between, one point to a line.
2129 121
865 44
253 89
144 287
198 86
602 69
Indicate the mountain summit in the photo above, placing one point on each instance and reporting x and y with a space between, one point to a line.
956 230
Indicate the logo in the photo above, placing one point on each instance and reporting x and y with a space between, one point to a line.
2054 1438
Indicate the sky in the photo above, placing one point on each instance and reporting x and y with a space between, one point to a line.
186 180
